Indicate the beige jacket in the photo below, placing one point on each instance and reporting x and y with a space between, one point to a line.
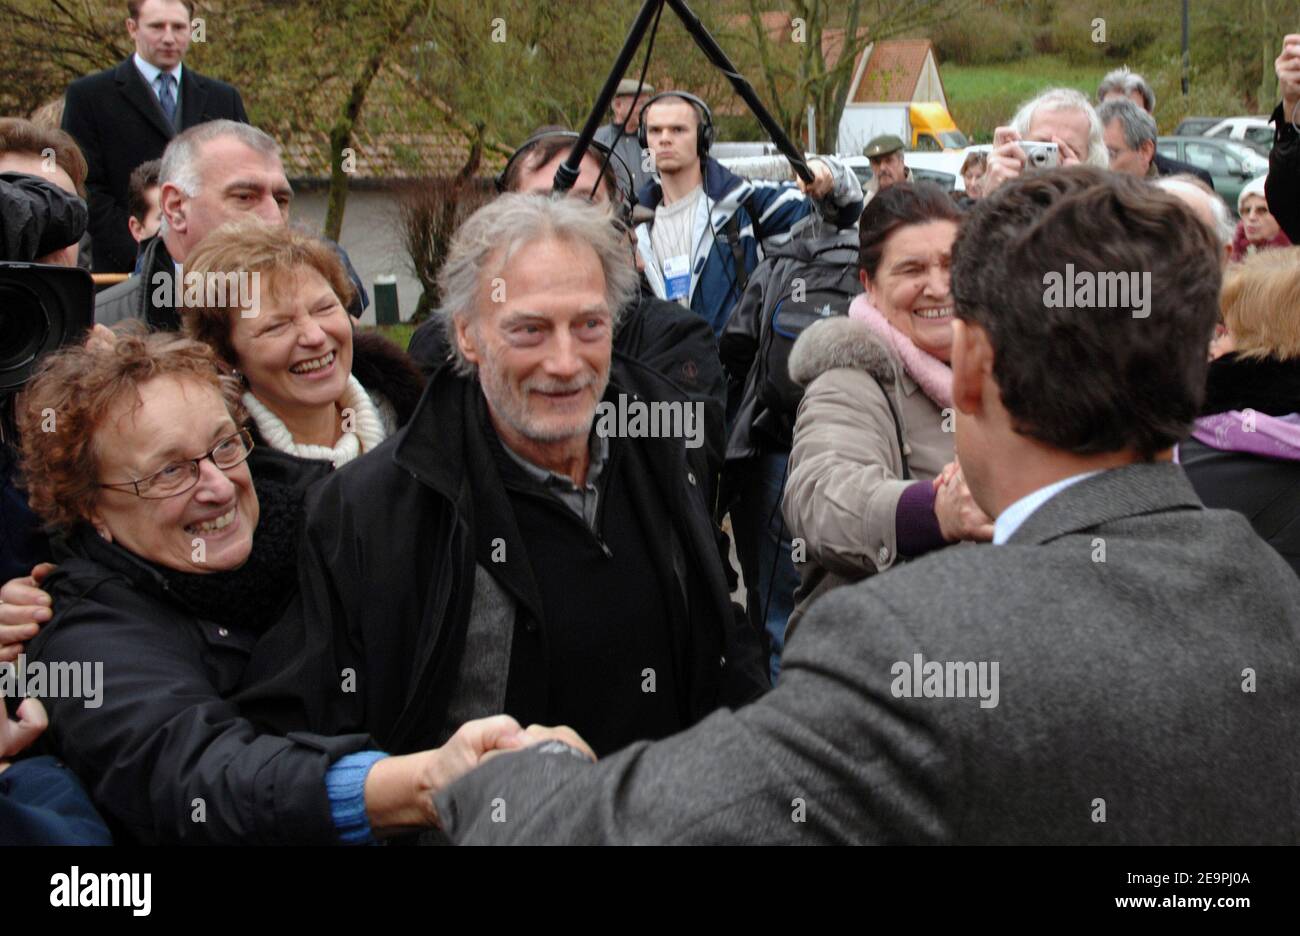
846 467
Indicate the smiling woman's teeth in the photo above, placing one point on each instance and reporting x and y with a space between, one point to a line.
305 367
212 526
934 313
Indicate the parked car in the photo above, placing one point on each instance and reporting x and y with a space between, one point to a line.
943 169
922 170
1255 132
1230 163
1196 126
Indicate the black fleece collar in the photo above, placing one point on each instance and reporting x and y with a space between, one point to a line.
1264 385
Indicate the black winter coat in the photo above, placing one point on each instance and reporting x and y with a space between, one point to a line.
167 733
1265 490
1282 188
386 583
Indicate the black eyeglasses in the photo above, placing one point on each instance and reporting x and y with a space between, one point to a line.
179 476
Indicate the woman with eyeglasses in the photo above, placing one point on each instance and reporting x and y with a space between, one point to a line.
320 394
134 451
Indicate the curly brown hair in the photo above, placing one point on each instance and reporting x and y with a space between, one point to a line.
75 389
249 246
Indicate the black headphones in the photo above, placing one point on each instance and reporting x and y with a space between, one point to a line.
622 175
704 133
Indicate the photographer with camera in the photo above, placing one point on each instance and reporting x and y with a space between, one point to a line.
41 306
1066 129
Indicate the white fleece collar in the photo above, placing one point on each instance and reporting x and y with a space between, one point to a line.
367 428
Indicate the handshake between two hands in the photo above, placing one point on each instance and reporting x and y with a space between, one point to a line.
400 790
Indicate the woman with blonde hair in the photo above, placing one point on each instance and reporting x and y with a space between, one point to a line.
316 390
1244 453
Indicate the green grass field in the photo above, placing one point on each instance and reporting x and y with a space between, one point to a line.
982 97
398 334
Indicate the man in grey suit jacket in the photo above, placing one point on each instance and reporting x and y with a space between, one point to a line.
1122 665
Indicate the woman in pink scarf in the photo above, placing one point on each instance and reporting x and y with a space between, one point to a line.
872 474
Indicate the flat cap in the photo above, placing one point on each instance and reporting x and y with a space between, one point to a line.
883 145
629 86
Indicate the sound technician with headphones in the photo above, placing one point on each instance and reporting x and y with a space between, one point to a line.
710 226
710 231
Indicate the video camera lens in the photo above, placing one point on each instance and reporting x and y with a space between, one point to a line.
41 308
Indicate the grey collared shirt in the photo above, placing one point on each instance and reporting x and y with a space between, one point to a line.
581 500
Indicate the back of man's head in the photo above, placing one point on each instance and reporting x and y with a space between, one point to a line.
1131 85
1075 374
47 152
532 167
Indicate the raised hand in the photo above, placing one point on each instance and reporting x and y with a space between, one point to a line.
17 736
24 607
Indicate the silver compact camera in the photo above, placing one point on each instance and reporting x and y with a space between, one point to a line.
1041 155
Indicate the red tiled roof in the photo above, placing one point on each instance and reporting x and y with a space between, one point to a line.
893 70
382 155
833 45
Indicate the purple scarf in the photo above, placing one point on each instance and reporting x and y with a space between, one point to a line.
1250 432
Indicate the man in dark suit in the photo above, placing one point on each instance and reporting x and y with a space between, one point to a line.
1121 665
125 116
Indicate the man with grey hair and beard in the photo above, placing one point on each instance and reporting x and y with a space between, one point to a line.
511 549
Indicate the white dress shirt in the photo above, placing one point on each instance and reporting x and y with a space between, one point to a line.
1016 514
150 75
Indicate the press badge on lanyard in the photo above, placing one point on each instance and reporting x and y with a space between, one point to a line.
677 277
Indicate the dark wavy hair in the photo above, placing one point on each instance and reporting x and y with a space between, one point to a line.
1091 380
899 206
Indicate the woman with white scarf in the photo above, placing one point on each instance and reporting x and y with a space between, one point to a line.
293 343
873 479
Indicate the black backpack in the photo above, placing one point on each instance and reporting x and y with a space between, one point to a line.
811 280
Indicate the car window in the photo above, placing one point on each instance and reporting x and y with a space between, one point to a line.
1261 135
925 143
945 180
1169 150
1219 131
1209 158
